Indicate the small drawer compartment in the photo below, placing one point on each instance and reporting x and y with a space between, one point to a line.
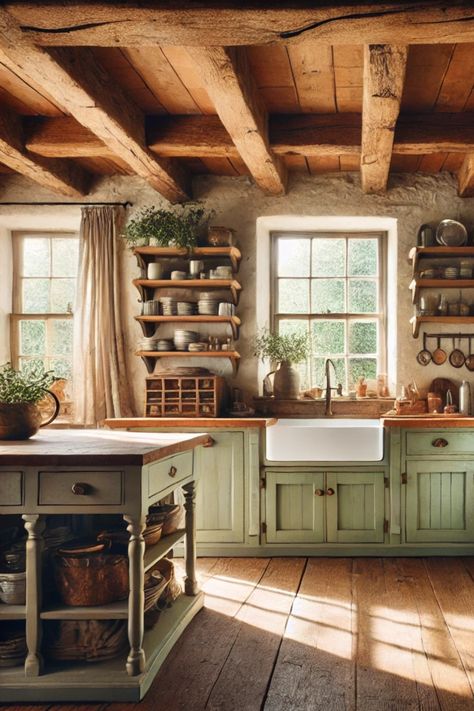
440 442
80 488
11 488
169 471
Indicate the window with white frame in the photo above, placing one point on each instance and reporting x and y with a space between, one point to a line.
331 286
44 287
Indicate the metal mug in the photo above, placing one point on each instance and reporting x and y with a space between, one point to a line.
196 266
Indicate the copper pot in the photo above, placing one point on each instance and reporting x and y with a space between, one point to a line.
22 420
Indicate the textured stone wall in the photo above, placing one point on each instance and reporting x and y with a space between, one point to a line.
412 199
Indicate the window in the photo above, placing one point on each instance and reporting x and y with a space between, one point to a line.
44 286
330 286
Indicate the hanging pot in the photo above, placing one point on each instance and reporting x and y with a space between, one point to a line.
439 355
457 357
424 356
22 420
286 384
470 358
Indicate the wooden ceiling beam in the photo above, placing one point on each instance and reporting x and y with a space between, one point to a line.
232 89
383 78
466 177
79 85
137 24
307 135
61 177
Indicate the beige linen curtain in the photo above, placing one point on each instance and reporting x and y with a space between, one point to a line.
100 378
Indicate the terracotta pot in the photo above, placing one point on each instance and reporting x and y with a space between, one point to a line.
23 420
286 384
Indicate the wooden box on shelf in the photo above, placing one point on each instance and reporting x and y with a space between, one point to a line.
180 396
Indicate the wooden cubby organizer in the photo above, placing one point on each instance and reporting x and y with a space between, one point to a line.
147 288
183 396
417 284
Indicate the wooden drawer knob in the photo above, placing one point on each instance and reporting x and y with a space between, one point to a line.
172 472
81 489
319 492
439 442
330 492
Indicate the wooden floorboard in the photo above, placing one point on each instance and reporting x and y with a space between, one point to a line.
320 634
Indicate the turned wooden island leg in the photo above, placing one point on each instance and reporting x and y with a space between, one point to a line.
190 583
34 545
136 599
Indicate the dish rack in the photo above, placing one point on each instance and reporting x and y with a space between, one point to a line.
179 396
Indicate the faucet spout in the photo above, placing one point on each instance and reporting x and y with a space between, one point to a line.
328 399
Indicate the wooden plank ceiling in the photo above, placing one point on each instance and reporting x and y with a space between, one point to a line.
168 104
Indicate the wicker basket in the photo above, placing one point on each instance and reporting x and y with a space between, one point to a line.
13 588
120 536
91 580
171 515
86 640
12 644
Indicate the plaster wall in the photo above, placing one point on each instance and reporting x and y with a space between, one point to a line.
412 199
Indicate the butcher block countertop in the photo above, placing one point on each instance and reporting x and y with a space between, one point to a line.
94 447
429 421
201 422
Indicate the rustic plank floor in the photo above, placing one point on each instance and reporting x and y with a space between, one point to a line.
336 634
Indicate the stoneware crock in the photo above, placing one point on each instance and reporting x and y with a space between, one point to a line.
23 420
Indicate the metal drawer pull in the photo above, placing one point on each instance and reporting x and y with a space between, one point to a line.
440 442
319 492
172 472
330 492
81 489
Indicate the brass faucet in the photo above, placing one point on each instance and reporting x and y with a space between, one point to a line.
327 409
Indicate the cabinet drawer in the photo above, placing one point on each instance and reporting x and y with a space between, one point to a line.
169 471
11 488
440 442
80 488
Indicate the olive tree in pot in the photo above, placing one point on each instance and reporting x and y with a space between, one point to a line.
20 394
285 351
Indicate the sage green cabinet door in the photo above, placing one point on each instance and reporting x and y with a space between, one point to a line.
220 492
440 501
294 511
355 512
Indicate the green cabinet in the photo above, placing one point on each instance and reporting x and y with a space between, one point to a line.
439 502
220 513
318 507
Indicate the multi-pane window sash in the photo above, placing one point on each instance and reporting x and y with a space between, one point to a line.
44 284
332 287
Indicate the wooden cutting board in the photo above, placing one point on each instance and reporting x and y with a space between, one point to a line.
441 386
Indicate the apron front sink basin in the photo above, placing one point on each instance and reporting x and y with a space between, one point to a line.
325 440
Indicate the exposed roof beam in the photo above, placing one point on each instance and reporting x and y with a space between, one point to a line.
231 87
384 74
57 175
466 176
308 134
79 85
224 23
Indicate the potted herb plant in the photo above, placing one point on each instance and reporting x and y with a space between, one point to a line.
20 393
177 227
285 351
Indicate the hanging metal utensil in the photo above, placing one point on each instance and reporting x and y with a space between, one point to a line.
470 358
457 357
439 355
424 356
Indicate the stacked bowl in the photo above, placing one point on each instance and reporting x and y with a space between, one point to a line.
208 304
183 338
186 308
168 305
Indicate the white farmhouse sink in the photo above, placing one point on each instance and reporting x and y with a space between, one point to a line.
325 440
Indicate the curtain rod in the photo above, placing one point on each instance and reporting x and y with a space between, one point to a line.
84 204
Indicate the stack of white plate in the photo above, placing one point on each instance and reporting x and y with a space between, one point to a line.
151 308
165 344
183 338
186 308
168 305
148 344
197 347
451 273
208 304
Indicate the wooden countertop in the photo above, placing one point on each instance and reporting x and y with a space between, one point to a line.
421 421
202 422
97 447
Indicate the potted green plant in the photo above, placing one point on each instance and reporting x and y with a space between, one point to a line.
285 351
20 394
176 227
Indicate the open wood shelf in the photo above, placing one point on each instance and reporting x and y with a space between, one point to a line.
417 253
150 357
111 611
144 285
148 254
233 321
418 284
155 553
416 321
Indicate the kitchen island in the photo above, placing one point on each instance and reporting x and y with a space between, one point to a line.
98 472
